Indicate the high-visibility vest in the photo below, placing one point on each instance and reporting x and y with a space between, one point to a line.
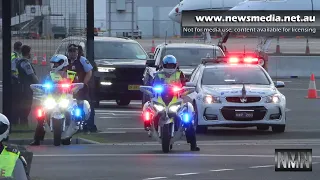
173 79
8 161
14 55
57 77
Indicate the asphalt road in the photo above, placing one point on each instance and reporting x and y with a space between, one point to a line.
226 154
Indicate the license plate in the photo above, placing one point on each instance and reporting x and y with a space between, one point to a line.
134 87
244 115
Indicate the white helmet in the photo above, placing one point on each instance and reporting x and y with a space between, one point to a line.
62 60
4 127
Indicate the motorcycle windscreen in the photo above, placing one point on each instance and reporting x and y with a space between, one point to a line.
167 96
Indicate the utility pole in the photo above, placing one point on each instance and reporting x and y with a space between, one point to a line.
132 19
109 22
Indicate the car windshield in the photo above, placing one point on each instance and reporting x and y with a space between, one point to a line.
234 75
191 56
118 50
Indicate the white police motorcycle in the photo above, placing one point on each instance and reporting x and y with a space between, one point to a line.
60 112
166 114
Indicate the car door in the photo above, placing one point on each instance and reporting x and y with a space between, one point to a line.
194 79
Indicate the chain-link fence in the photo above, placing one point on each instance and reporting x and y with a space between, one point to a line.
42 24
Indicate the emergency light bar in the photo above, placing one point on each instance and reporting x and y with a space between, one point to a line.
231 60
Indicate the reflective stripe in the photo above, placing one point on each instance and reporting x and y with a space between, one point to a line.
173 79
8 162
57 77
71 75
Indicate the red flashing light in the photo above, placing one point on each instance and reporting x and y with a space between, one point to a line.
147 116
40 113
176 89
65 85
234 60
250 60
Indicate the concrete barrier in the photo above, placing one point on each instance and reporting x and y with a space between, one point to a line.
294 66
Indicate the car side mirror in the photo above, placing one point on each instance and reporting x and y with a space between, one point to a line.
279 84
150 63
190 84
151 55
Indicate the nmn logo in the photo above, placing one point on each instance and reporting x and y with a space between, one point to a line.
293 160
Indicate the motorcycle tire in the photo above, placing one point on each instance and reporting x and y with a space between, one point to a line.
66 141
57 131
165 138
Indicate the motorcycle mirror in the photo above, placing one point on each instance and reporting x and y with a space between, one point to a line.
147 89
37 88
188 90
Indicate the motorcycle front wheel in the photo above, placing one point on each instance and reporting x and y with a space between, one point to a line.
57 131
165 138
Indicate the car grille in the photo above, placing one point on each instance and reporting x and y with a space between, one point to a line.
229 113
238 99
129 74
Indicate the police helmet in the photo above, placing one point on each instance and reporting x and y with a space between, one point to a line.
4 127
58 62
169 60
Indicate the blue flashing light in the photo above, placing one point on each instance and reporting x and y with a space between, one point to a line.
78 112
186 118
48 85
158 89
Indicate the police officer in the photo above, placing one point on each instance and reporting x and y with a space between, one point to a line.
83 68
12 164
170 74
26 76
15 55
59 66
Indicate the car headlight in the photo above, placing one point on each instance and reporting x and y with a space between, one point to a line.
50 103
158 107
106 69
208 99
174 108
64 103
273 99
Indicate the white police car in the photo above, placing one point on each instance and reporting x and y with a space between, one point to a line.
236 92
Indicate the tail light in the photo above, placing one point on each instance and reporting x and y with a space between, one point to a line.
250 60
147 116
176 89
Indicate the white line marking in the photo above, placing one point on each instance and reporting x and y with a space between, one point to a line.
115 117
112 111
125 128
295 89
166 155
219 170
113 132
155 178
106 113
254 167
287 109
120 114
316 163
186 174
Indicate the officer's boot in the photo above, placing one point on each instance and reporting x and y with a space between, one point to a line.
191 138
35 143
38 135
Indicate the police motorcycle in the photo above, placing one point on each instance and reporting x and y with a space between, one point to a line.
166 114
59 110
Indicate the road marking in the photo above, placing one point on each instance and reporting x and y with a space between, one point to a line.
120 114
115 117
287 110
106 113
254 167
165 155
186 174
295 89
125 128
112 132
155 178
219 170
114 111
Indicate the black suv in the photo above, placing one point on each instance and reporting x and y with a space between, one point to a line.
120 63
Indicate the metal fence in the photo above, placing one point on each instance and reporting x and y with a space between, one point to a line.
43 25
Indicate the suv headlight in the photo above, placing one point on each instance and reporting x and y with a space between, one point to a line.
106 69
208 99
174 108
158 107
273 99
50 103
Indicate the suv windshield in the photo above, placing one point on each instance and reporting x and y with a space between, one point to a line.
118 50
190 56
234 75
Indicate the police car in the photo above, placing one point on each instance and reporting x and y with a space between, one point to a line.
236 92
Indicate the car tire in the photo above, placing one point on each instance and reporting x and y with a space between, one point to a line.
199 129
123 102
278 128
262 128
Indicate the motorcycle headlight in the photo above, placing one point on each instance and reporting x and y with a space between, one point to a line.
64 103
105 69
208 99
273 99
158 107
174 108
50 103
